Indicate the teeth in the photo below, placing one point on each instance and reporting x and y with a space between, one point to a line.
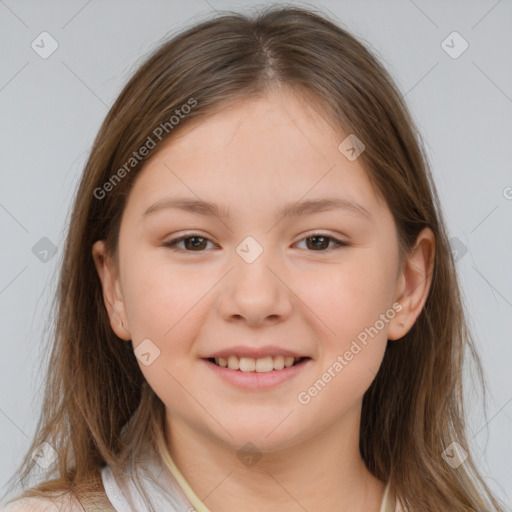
247 364
233 363
265 364
260 365
278 362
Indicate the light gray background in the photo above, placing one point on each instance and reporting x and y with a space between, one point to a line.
52 108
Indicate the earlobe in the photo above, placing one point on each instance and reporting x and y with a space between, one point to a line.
414 284
112 294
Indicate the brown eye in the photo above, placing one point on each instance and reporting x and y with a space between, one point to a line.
193 243
317 242
321 243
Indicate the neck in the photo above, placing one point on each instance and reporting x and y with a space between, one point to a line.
325 472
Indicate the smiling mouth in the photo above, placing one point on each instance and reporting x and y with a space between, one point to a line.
260 365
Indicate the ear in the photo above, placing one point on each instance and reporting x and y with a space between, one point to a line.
413 284
112 294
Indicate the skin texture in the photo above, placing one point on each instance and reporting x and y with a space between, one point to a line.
253 158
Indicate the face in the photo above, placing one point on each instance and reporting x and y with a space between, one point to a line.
256 280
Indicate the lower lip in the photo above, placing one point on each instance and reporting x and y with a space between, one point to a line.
257 380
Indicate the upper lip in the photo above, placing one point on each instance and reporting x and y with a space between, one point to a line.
254 352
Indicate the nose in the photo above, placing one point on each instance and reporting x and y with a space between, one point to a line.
255 293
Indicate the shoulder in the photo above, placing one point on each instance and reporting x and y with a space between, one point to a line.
33 504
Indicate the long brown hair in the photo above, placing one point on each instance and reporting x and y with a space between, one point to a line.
98 408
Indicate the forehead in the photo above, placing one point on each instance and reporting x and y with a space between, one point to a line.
277 120
268 150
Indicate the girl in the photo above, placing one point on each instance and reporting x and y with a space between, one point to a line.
258 306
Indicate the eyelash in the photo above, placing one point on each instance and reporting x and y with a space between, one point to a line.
172 244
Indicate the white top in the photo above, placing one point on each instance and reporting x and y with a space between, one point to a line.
163 490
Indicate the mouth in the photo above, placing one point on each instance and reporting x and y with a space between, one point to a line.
257 365
257 374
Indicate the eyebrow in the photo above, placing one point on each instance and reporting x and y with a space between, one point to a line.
290 210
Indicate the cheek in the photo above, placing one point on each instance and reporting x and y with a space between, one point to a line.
166 305
163 306
352 308
347 299
158 295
